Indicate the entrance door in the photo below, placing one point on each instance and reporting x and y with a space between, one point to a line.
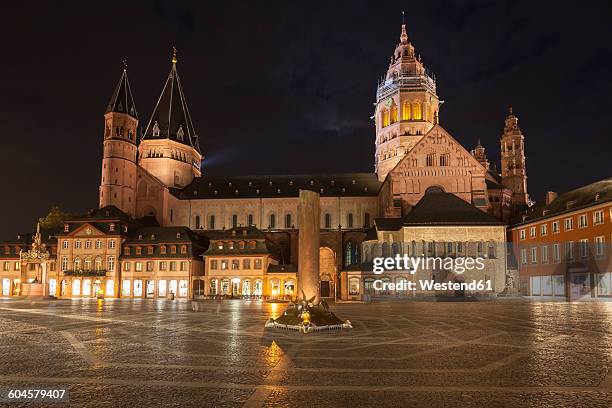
6 287
324 288
150 289
96 288
579 286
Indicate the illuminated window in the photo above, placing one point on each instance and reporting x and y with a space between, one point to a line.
416 111
406 111
385 118
394 113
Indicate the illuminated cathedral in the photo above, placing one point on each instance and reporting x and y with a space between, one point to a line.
238 235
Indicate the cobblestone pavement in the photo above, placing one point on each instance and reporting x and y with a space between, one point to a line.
138 353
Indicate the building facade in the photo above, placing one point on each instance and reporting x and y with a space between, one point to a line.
562 246
158 176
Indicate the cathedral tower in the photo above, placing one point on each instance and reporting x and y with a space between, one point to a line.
118 184
406 106
169 148
514 173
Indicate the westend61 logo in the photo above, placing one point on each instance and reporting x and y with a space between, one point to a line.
412 264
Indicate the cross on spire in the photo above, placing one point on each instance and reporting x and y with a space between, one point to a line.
403 35
174 59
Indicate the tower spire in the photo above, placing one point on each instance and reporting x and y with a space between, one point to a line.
403 35
122 100
174 59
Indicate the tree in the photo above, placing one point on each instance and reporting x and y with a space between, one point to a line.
55 218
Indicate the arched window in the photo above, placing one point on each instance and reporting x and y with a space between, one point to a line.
347 254
88 264
444 159
327 220
77 264
491 250
350 253
431 159
406 110
272 223
155 130
366 220
76 287
416 111
234 221
288 221
349 220
98 264
394 113
250 220
385 118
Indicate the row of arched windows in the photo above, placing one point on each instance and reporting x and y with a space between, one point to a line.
410 111
443 160
288 221
485 249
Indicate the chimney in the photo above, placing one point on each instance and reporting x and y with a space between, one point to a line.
550 196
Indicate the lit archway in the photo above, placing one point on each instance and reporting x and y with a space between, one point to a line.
327 271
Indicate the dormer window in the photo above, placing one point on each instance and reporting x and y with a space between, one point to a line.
162 249
66 227
155 130
111 227
178 234
180 133
152 237
140 237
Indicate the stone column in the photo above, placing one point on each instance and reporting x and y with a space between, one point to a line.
308 245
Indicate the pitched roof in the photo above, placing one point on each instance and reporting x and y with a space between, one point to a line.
122 100
438 208
585 196
328 185
236 234
171 118
447 209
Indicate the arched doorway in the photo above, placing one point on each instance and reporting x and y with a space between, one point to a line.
327 274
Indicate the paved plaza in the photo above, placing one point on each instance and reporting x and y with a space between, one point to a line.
137 353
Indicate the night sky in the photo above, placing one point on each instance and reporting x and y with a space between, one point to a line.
288 87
